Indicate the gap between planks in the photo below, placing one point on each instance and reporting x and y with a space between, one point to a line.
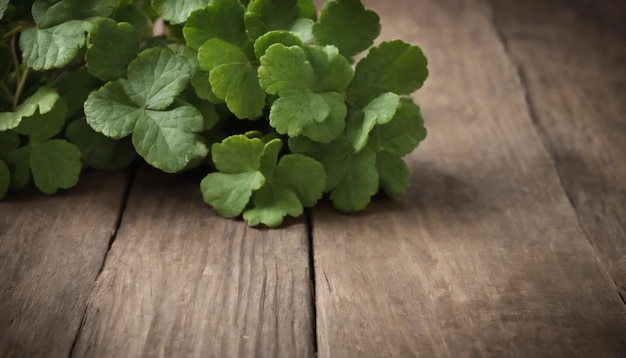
132 173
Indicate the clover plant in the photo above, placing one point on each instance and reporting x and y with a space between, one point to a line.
265 96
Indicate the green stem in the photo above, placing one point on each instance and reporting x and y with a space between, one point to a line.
13 32
20 88
16 62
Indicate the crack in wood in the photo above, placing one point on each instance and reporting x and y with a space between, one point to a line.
118 223
549 147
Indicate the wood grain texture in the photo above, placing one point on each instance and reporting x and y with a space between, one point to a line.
51 250
484 255
180 281
575 71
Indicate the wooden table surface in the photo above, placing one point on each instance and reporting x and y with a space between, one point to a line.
510 242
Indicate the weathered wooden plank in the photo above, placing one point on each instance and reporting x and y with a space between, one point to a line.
576 75
484 255
51 250
180 281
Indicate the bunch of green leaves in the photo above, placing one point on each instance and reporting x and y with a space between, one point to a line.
265 94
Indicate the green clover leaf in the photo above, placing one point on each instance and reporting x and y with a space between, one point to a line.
333 125
380 111
48 13
285 69
293 112
347 25
232 77
19 164
332 71
221 19
43 100
54 164
238 159
132 13
273 37
298 182
98 151
74 87
306 9
251 176
110 48
394 140
352 177
303 29
304 106
263 16
177 11
39 127
61 30
391 67
55 47
166 139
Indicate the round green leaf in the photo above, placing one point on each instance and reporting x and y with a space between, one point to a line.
302 175
177 11
347 25
100 152
43 100
333 72
43 126
109 111
54 47
48 13
229 194
167 140
267 15
222 19
333 126
19 160
283 37
403 133
290 114
156 77
237 154
55 164
233 78
380 111
393 172
285 68
391 67
110 48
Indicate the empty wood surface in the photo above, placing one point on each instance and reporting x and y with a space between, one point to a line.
180 281
51 250
574 69
484 256
510 242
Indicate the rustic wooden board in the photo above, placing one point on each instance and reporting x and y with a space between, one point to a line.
51 250
484 255
576 75
180 281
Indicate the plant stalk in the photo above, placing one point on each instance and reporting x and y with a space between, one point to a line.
20 88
